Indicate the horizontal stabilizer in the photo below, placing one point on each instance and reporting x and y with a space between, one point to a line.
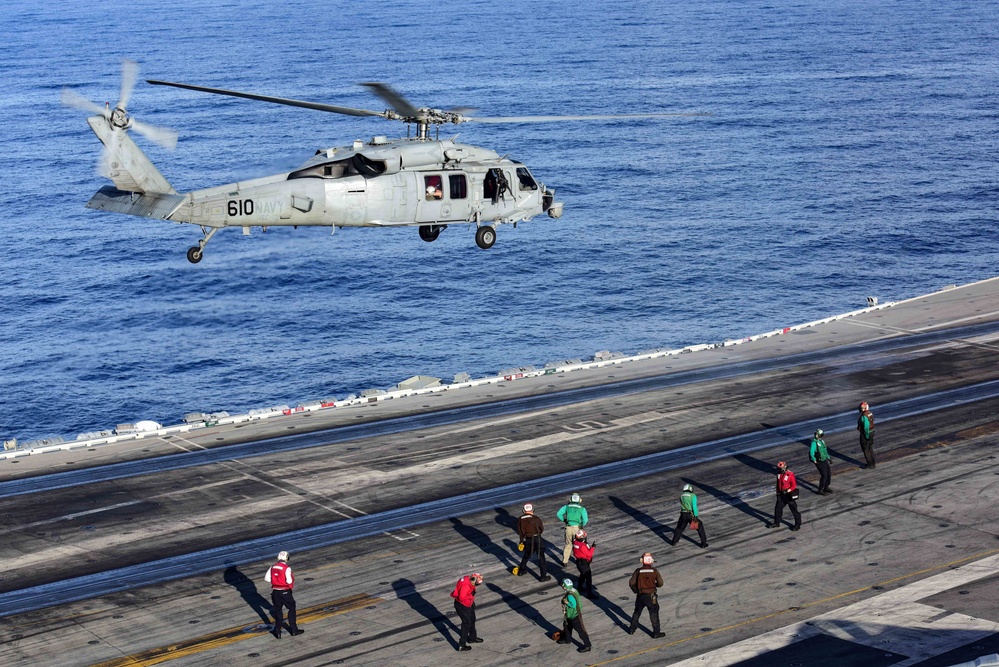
147 205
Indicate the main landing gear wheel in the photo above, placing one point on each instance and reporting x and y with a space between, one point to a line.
430 233
194 255
485 237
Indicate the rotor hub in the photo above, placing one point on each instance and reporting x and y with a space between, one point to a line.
119 118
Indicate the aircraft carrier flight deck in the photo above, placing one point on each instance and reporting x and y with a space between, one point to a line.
152 550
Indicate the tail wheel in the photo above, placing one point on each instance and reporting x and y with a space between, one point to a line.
194 255
485 237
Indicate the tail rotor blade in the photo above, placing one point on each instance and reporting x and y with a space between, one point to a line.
161 135
129 75
71 98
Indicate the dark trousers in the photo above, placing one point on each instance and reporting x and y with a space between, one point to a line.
867 446
281 599
467 616
681 525
792 504
534 545
825 474
570 624
585 584
646 601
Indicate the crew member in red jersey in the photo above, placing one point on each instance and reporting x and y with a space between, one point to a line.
787 494
582 552
282 583
464 605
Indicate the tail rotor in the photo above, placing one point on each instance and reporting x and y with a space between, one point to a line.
117 118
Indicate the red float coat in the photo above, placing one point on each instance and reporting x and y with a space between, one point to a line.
464 592
786 482
279 577
582 551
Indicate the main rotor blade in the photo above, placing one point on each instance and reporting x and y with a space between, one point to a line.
394 99
71 98
554 119
276 100
129 75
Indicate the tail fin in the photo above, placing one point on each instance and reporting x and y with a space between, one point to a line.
125 163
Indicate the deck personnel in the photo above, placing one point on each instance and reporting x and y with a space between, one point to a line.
865 424
282 582
645 582
464 605
688 515
574 516
529 528
787 494
583 553
572 617
819 455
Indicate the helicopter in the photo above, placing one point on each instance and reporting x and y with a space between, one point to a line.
419 181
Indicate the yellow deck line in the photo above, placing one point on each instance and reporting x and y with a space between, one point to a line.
221 638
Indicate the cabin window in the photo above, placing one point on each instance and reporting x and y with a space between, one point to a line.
526 180
433 186
458 185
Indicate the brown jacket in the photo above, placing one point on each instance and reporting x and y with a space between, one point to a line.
529 526
645 579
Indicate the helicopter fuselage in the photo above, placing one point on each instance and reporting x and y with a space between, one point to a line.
382 183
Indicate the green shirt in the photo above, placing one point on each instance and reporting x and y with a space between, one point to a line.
688 502
573 514
818 452
571 603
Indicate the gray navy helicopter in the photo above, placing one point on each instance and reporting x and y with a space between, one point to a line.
419 181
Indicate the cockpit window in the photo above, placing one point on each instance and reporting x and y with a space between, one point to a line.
526 180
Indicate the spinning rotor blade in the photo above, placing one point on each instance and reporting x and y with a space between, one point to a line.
554 119
276 100
129 75
163 136
70 98
394 99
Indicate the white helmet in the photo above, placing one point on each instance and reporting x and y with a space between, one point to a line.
688 487
528 508
647 558
819 433
574 498
283 556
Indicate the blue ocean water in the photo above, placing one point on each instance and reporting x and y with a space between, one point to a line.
851 151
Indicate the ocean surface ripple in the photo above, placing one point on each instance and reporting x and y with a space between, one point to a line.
851 151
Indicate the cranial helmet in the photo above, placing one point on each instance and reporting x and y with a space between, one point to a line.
647 558
476 578
688 487
567 583
580 535
431 189
819 433
528 507
781 465
574 498
283 556
863 406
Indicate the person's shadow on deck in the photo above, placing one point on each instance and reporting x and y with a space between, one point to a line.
525 609
483 541
641 517
735 501
406 590
248 591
